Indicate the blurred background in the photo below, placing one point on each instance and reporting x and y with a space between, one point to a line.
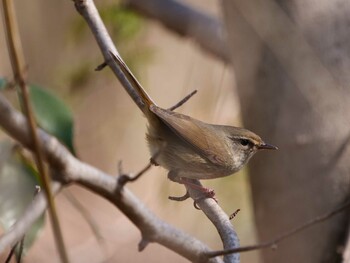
287 80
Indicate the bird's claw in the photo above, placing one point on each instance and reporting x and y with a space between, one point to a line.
180 198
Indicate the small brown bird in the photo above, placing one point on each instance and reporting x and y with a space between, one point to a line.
189 148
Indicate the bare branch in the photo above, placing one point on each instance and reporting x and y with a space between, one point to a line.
69 170
207 31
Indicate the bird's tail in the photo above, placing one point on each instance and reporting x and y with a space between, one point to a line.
141 93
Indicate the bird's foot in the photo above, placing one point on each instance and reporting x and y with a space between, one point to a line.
180 198
207 192
204 192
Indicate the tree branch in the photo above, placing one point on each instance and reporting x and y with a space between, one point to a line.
72 170
207 31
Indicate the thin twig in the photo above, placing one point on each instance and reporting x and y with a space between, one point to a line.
273 243
184 100
20 251
124 178
18 67
101 66
12 251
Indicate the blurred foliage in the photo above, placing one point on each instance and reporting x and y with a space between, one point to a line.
122 23
18 180
78 76
125 27
53 115
3 83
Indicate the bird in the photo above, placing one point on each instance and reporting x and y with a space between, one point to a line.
189 148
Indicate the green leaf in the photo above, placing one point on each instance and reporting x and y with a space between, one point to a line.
53 115
17 187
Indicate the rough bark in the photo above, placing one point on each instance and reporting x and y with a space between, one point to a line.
291 60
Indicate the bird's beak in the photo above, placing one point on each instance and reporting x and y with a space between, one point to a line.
267 146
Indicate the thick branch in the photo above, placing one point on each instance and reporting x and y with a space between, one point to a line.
73 170
207 31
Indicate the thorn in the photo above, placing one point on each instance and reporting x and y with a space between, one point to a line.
184 100
143 244
120 167
233 215
101 66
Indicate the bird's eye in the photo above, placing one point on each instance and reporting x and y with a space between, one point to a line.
244 142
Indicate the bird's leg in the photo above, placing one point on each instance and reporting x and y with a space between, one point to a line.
208 193
172 175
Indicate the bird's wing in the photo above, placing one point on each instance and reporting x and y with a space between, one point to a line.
199 135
